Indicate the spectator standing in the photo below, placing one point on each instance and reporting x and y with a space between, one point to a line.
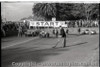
76 24
19 31
67 30
79 30
3 31
55 32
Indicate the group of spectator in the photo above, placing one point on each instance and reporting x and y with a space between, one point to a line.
83 23
12 28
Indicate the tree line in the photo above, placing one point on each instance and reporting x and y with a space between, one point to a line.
66 11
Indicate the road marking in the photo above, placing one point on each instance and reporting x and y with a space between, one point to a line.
18 43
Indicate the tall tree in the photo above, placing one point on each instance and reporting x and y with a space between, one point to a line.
85 11
95 12
47 10
64 11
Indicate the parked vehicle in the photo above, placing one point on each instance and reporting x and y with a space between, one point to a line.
32 32
87 31
92 32
44 34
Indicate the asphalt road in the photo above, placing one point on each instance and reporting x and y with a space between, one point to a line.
79 48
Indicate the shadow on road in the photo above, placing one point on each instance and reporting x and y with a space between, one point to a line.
28 54
77 44
73 35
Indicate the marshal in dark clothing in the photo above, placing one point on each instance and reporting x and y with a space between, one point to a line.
63 34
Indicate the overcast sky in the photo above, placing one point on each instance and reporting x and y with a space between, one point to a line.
16 10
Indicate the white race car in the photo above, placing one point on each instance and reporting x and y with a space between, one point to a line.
91 32
85 31
44 34
31 32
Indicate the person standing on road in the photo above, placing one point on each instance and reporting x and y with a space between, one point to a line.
63 37
63 34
